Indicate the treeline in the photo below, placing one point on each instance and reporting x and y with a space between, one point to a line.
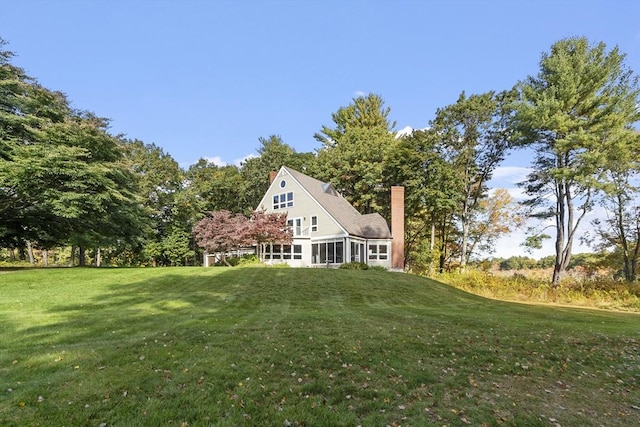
70 188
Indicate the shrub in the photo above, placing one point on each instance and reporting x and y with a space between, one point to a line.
249 260
354 266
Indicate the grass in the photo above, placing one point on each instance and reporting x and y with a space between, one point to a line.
302 347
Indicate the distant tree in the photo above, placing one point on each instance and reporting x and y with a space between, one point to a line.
353 152
619 231
273 153
475 136
572 114
517 263
209 187
176 247
497 216
432 194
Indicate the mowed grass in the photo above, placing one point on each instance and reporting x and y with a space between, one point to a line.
302 347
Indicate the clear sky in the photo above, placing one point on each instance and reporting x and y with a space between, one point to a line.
208 78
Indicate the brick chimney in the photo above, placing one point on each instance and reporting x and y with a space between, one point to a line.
272 176
397 227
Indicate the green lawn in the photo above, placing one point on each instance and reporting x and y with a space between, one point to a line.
278 347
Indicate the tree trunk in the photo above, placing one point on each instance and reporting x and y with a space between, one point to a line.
432 245
465 235
98 257
46 257
443 248
81 256
73 256
30 252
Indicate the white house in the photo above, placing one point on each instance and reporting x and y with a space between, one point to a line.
327 230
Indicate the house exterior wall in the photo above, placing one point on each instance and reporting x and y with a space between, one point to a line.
316 243
304 206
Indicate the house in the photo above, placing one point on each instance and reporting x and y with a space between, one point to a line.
327 230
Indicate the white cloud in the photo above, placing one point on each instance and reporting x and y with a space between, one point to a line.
219 161
216 160
239 162
509 175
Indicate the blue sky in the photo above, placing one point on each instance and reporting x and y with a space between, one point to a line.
208 78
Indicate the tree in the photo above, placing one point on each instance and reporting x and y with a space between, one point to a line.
221 232
62 179
432 194
268 228
475 136
572 115
273 153
620 229
353 152
498 215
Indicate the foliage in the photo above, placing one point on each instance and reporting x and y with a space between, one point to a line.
222 232
517 263
273 153
583 290
432 194
575 113
354 266
62 179
475 135
353 152
301 347
496 216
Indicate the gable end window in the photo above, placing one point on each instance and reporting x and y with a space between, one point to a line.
283 200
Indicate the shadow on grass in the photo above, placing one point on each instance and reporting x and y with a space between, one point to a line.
121 345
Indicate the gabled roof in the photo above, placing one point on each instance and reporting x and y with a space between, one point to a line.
370 226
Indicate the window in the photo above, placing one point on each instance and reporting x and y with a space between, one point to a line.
357 252
314 223
296 226
283 252
331 252
378 252
283 183
283 200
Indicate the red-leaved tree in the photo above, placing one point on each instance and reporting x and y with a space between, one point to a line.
222 232
269 228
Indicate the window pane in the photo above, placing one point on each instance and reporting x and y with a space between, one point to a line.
373 252
339 252
330 252
297 249
323 253
382 249
314 254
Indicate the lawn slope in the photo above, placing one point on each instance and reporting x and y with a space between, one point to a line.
275 346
